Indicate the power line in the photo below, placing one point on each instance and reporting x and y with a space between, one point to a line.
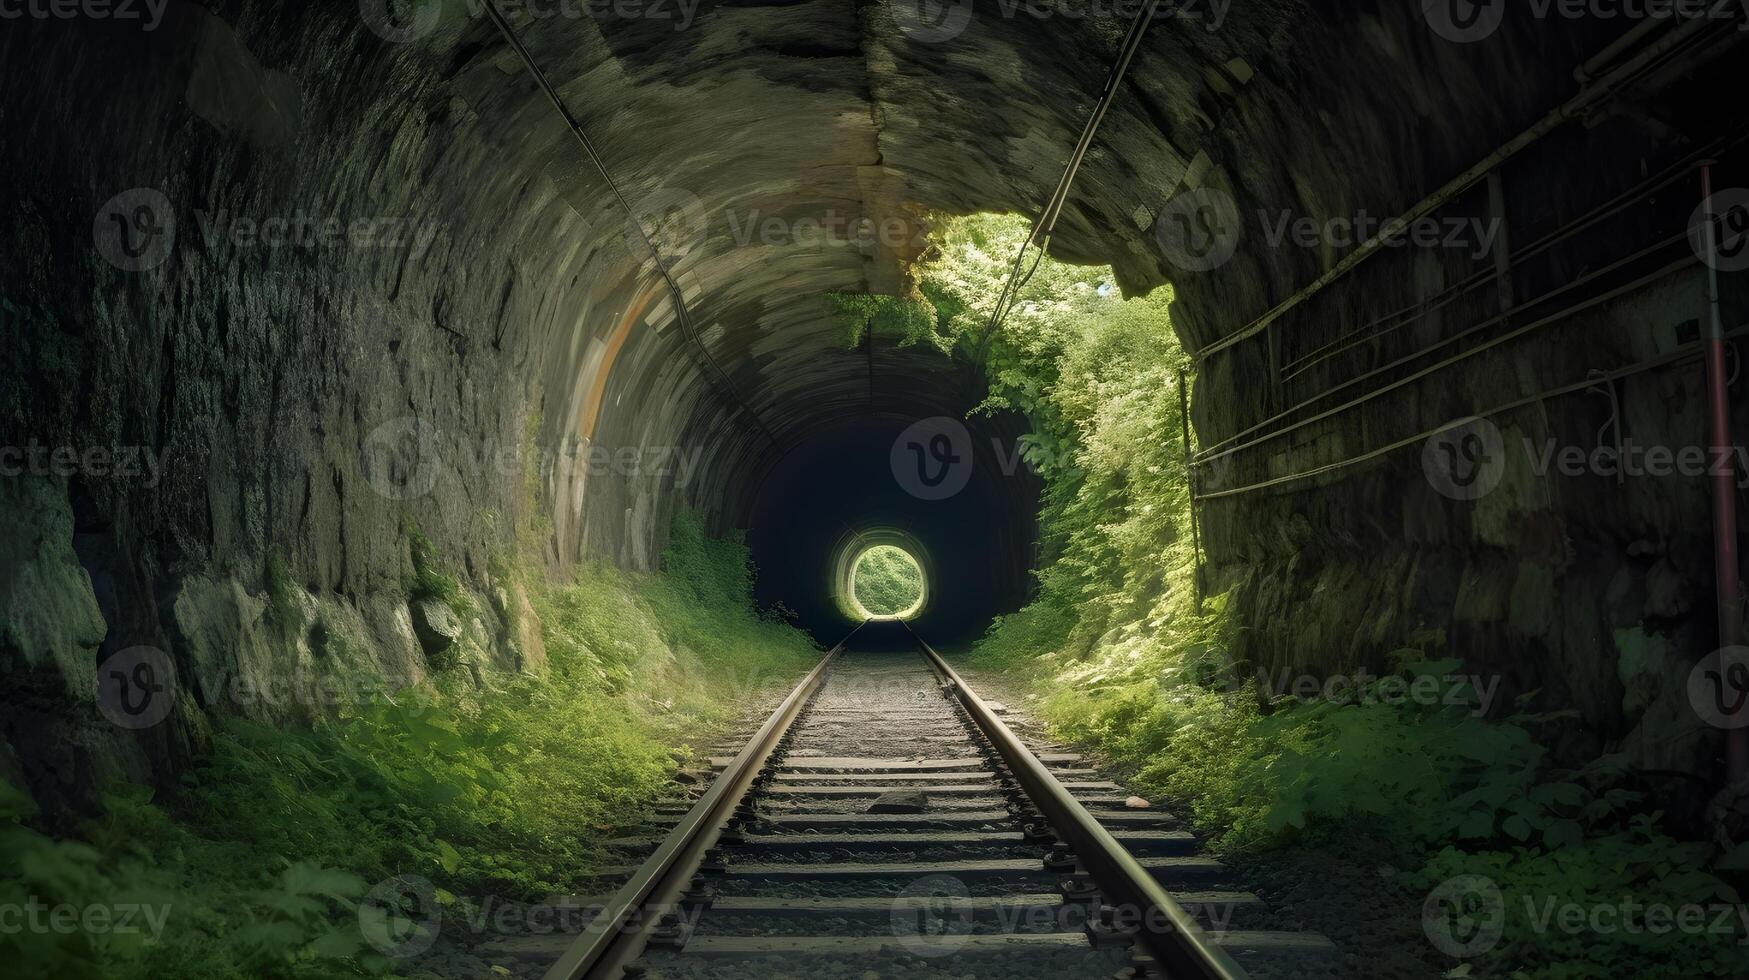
1047 219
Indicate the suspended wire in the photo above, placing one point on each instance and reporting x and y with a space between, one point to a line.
1040 236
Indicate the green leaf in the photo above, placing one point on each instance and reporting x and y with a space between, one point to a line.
337 944
1476 824
1563 834
448 856
1517 828
306 878
1434 668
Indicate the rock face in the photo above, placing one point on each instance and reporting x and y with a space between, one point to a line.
49 619
51 630
322 275
436 626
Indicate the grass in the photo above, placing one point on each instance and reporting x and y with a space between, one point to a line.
503 792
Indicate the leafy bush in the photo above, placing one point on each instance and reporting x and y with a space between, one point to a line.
910 319
1582 911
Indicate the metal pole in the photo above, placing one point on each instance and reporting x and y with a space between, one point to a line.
1190 476
1722 457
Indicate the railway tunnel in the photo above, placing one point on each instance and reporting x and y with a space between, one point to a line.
337 333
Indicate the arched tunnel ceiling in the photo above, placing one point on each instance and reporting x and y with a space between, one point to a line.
780 156
528 298
759 146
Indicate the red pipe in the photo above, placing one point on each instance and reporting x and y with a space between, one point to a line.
1724 475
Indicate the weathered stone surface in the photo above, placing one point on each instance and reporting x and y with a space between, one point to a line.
49 619
391 632
52 632
1667 733
230 89
436 626
236 658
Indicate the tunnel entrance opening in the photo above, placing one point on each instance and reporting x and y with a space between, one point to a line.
886 582
839 495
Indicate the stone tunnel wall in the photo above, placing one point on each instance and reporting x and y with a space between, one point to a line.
322 295
474 314
1585 591
357 326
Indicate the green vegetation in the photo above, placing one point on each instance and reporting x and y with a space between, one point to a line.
506 791
910 320
887 581
428 580
1125 662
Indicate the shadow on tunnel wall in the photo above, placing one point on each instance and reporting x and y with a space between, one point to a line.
861 478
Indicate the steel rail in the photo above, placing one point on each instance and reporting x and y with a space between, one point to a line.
1170 934
617 936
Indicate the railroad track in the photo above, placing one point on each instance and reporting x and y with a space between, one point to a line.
885 822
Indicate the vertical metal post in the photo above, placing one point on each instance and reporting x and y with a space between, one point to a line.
1722 459
1502 242
1190 475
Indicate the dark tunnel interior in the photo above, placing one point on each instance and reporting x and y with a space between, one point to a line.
845 488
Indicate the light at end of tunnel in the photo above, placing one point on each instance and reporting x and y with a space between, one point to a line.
886 582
